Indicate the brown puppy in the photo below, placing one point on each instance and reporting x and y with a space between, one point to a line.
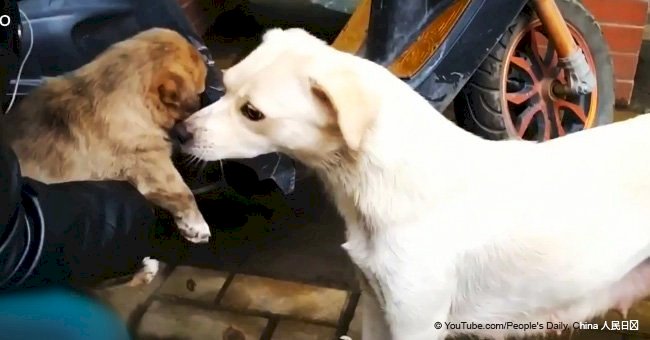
110 120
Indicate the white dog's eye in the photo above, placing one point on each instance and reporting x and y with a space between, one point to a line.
251 112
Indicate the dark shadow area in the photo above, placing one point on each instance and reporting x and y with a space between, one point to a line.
641 94
259 231
237 32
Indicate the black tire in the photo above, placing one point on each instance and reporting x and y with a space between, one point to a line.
478 107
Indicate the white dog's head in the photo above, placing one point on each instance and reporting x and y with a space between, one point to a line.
293 94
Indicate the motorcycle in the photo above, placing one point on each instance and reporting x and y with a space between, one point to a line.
509 69
526 69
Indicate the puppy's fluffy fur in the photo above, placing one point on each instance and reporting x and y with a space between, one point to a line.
110 119
445 226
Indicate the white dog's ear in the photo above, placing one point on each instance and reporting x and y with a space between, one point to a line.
344 96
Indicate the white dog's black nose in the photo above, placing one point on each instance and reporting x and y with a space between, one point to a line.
181 134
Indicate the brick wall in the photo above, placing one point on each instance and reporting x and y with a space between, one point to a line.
622 22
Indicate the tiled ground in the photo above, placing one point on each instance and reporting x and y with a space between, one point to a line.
194 303
280 276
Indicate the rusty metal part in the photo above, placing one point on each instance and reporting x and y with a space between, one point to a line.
543 99
352 36
426 44
581 79
558 31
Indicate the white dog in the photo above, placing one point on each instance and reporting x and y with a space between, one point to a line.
446 227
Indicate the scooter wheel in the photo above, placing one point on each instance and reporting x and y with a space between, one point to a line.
510 95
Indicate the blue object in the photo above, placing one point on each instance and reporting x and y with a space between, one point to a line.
53 314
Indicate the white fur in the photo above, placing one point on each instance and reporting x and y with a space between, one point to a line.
148 272
453 228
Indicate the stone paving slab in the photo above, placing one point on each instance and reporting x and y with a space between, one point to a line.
285 298
354 330
194 283
621 115
175 321
296 330
313 312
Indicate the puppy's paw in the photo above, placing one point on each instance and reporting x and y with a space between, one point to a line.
148 272
196 231
150 268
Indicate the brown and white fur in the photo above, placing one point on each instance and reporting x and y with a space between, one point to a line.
110 119
445 226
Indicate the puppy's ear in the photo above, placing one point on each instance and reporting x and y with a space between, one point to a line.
349 101
168 91
175 91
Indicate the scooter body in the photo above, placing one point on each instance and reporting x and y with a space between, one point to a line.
396 24
526 69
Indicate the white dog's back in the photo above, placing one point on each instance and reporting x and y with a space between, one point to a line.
550 232
447 227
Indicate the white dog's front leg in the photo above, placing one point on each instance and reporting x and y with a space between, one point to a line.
373 320
423 319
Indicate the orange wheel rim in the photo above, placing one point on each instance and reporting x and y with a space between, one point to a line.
531 110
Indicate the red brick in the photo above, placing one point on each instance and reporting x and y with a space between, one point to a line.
623 39
625 65
626 12
622 22
623 92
